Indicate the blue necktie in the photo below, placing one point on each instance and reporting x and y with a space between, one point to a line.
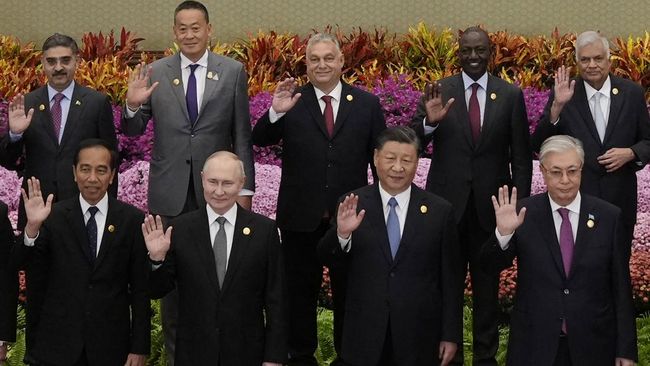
190 95
392 226
91 229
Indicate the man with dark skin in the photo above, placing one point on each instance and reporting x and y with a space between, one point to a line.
479 129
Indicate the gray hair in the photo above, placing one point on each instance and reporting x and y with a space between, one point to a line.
323 37
226 154
560 144
590 37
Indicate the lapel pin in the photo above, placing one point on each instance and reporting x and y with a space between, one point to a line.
246 231
111 228
176 82
424 209
615 91
210 75
41 107
77 102
493 96
591 221
349 97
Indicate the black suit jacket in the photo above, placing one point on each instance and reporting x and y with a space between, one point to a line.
245 322
628 126
501 156
8 280
317 169
419 294
90 116
76 304
595 299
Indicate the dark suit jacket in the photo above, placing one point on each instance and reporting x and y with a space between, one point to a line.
317 169
90 116
501 156
180 148
76 305
628 126
596 298
245 322
8 280
419 294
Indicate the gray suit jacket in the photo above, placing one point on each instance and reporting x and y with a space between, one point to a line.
180 148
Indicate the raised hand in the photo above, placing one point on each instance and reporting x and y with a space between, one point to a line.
36 209
156 238
436 111
505 210
18 120
562 90
347 218
139 90
283 98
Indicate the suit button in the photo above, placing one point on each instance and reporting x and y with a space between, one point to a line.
187 161
566 291
329 165
392 274
330 146
90 287
192 135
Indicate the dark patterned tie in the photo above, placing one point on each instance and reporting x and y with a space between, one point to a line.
91 229
191 95
220 251
474 114
57 114
328 113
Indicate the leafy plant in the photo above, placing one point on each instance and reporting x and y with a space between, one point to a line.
98 46
325 353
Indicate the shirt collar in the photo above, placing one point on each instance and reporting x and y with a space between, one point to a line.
402 198
335 93
573 206
186 62
51 92
230 215
605 89
468 81
102 205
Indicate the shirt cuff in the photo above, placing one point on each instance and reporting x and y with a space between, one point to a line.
246 192
504 240
428 129
345 243
274 116
556 121
29 242
129 112
13 137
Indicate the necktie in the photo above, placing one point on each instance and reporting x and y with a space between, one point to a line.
57 114
566 239
392 226
474 114
91 230
599 118
190 95
219 249
328 113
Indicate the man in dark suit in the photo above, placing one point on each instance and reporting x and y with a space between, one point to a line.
48 124
8 284
480 136
574 298
615 130
327 129
227 264
399 243
199 102
86 262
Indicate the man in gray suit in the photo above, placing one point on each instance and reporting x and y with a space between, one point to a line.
199 102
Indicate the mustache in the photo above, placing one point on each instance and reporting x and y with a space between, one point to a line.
59 73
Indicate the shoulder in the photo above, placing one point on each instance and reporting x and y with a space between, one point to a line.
433 199
357 92
504 85
254 217
126 208
228 62
626 84
191 218
601 205
4 209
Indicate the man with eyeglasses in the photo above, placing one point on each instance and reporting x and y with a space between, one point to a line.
574 298
610 116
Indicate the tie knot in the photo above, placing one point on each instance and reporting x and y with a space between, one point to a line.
221 220
93 210
327 99
58 97
597 96
193 68
392 202
564 212
475 87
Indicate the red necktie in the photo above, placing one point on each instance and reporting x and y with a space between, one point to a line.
57 114
474 114
328 113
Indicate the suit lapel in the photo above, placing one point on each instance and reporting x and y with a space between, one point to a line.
345 106
412 222
583 109
583 235
375 216
616 103
215 68
548 232
76 106
113 219
311 103
173 72
240 243
43 100
204 247
75 220
460 105
493 88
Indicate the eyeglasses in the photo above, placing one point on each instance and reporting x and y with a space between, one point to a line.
557 174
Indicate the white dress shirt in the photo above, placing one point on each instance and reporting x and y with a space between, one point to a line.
336 100
605 98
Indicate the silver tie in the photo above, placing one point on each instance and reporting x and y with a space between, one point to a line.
599 118
219 249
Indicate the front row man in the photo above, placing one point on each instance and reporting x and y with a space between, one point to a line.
227 264
87 270
574 298
405 284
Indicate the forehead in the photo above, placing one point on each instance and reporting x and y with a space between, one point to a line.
189 17
222 168
399 148
562 159
474 39
592 49
58 51
95 156
322 48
